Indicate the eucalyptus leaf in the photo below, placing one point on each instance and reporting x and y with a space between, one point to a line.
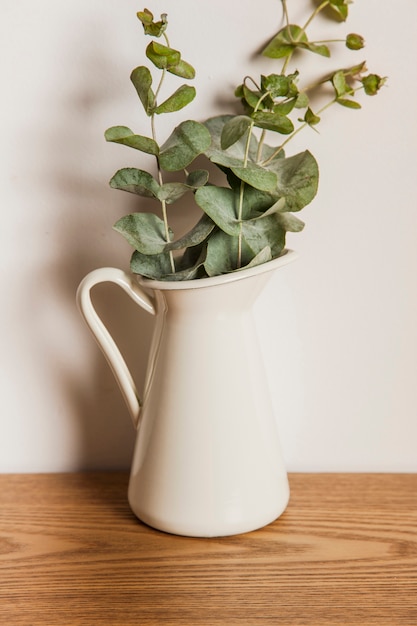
234 129
222 254
339 83
163 57
144 231
310 118
236 151
290 222
273 121
277 207
220 203
340 7
149 26
178 100
285 107
297 179
263 256
123 135
265 232
135 181
156 266
197 179
321 49
187 141
276 84
195 236
183 70
350 104
284 42
142 81
250 96
256 176
171 192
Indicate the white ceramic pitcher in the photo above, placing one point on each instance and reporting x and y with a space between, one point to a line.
207 459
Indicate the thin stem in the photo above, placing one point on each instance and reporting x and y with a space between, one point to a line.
285 7
241 195
260 145
303 29
316 11
160 178
300 128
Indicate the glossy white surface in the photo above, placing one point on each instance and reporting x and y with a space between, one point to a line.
207 460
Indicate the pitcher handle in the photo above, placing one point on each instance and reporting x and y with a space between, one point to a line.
102 335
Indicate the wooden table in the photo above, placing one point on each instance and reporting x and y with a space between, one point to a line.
345 552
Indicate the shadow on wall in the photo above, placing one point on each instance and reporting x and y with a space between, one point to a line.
80 221
83 240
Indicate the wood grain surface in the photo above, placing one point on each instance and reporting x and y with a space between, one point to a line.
344 552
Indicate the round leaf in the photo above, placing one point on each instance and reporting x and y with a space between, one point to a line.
135 181
123 135
188 140
144 231
183 96
142 81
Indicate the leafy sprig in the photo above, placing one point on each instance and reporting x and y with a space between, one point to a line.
244 222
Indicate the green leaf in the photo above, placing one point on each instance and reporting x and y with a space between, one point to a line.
179 99
265 232
142 81
135 181
339 83
310 118
188 140
222 254
277 84
191 264
297 179
290 222
124 136
251 97
197 179
183 70
285 107
321 49
256 176
236 151
195 236
263 256
273 121
284 42
171 192
233 130
302 101
162 56
220 203
350 104
340 7
144 231
277 207
149 26
156 266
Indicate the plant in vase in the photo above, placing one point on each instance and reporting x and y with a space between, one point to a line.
207 459
244 221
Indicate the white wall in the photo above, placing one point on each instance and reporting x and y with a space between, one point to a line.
338 329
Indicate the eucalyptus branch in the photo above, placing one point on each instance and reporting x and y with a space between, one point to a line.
316 11
250 217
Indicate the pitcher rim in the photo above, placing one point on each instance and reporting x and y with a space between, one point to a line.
287 256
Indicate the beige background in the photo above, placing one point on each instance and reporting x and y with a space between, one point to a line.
339 335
